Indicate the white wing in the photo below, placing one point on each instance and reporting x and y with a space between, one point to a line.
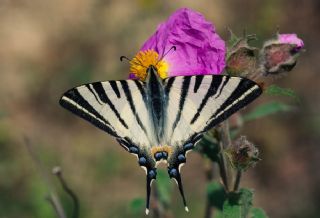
197 103
117 107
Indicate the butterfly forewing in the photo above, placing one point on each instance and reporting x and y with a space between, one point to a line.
197 103
193 105
117 107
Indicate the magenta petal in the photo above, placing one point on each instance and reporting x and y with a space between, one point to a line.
200 50
291 39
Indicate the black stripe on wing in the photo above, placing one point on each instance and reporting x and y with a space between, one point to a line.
115 88
215 83
127 92
169 85
197 83
184 92
243 94
97 86
74 101
93 93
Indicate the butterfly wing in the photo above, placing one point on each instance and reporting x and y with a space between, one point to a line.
196 104
112 107
119 108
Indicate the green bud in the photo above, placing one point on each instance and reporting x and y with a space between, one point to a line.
241 59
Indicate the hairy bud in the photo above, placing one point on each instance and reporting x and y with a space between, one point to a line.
280 55
242 154
241 59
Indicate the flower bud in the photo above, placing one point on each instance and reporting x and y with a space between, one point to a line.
280 55
241 59
242 154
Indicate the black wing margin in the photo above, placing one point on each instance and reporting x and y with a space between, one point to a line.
73 101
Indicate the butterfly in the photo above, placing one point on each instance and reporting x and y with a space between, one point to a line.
160 120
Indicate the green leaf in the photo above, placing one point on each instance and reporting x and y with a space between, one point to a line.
275 90
216 194
209 147
233 38
137 205
238 204
218 214
258 213
266 110
164 187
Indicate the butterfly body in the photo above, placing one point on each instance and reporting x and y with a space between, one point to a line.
160 120
156 101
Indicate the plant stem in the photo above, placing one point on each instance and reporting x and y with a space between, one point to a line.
156 206
57 171
224 143
223 170
225 134
52 198
237 182
208 210
209 176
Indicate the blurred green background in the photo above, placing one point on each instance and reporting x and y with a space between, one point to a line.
47 47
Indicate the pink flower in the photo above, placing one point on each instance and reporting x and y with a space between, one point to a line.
280 55
199 49
291 39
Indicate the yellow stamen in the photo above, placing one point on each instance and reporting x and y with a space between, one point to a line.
157 149
147 58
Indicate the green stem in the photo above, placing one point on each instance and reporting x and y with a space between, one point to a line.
237 182
209 176
57 171
156 207
223 170
224 143
52 196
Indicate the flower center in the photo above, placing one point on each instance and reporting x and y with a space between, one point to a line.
147 58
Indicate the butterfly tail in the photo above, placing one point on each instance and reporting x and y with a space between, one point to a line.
175 174
151 175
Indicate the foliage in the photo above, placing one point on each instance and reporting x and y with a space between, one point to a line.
216 195
274 90
238 204
136 206
164 188
258 213
208 146
266 110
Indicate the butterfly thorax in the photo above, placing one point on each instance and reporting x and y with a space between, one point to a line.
156 101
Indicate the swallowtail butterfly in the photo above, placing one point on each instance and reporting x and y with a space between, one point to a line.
160 119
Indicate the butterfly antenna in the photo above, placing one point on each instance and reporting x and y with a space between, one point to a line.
174 48
137 62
